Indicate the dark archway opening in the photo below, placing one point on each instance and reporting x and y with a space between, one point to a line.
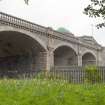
88 59
19 53
65 56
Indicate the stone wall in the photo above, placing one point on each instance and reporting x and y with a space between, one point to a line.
44 41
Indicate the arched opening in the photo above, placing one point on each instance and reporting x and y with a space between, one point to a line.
20 52
88 59
65 56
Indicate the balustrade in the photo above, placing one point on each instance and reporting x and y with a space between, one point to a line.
29 26
20 23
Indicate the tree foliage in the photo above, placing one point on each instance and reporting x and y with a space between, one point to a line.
96 9
26 1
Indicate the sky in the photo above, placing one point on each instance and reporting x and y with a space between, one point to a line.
55 14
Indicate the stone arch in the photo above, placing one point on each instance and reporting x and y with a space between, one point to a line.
88 58
65 44
27 33
21 51
64 55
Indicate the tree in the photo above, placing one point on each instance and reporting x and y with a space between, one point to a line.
26 1
96 9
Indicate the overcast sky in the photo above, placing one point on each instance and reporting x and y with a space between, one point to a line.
55 14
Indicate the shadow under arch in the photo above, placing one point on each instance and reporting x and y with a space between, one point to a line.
64 55
23 32
20 52
88 58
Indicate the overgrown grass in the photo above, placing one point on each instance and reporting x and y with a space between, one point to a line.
49 92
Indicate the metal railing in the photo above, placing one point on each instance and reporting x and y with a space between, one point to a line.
80 75
74 75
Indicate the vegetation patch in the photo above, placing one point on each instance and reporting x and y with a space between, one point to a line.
49 92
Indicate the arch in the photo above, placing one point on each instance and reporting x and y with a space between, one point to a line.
88 58
27 33
21 52
65 56
65 44
89 51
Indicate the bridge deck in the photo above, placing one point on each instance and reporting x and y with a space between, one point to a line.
13 21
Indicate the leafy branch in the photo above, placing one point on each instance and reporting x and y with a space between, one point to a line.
96 9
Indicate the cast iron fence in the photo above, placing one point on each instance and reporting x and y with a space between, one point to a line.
69 74
79 74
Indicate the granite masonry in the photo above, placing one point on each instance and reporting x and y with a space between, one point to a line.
28 46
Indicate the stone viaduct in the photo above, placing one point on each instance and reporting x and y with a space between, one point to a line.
25 45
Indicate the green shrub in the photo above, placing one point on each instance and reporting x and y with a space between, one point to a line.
92 74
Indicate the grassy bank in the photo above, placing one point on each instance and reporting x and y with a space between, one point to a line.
49 92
